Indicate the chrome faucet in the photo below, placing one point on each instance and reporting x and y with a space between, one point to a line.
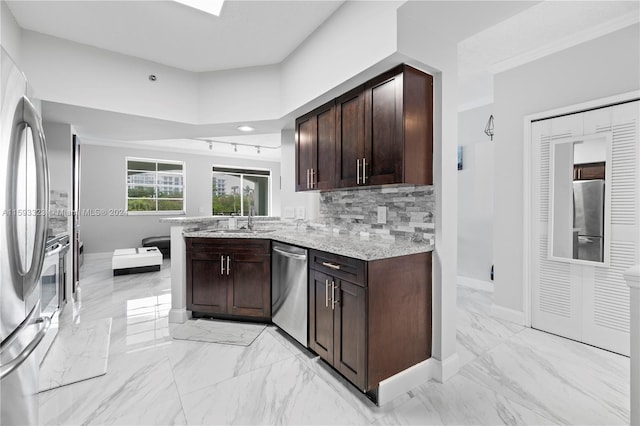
252 212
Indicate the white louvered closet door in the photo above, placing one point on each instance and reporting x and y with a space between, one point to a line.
586 302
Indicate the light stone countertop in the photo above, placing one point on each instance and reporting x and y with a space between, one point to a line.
363 248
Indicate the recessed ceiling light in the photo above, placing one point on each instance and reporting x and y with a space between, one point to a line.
212 7
246 128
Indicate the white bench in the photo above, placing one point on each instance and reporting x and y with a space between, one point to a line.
135 260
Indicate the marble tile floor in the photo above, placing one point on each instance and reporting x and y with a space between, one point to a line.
78 353
510 374
218 331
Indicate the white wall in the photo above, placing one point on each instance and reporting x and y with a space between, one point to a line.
440 57
103 186
77 74
357 36
10 34
596 69
475 195
245 94
58 137
591 151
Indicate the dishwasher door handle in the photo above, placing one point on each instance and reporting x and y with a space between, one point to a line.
290 255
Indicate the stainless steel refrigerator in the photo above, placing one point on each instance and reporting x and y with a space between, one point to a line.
588 219
24 201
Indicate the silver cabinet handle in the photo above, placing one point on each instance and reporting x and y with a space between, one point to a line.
221 265
326 293
308 177
313 178
331 265
228 268
8 367
333 295
25 115
364 171
358 171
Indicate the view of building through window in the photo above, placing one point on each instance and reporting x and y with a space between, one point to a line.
155 185
233 189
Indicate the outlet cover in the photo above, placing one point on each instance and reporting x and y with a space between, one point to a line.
288 213
382 214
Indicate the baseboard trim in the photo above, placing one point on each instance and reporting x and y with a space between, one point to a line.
508 314
419 374
447 368
179 316
474 283
401 383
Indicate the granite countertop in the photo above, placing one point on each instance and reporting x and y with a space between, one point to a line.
364 248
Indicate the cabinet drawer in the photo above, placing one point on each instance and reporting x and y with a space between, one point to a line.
228 245
343 267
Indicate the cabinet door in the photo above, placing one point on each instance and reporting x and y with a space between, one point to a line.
349 332
206 285
350 138
323 163
383 130
306 142
320 315
589 171
250 286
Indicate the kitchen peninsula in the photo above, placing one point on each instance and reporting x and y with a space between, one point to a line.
382 323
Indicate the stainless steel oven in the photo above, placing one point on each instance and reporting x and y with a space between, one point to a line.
52 290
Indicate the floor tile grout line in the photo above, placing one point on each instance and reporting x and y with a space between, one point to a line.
175 385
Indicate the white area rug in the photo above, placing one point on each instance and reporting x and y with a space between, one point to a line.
214 331
79 352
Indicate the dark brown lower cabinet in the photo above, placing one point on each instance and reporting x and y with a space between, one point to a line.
229 277
370 320
250 291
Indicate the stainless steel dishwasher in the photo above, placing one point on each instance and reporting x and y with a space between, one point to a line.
289 290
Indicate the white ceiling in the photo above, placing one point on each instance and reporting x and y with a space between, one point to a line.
247 33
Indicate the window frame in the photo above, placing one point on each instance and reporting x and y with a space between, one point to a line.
242 171
156 185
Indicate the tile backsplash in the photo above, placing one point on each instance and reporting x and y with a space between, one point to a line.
58 212
410 211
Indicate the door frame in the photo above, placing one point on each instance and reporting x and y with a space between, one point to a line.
527 190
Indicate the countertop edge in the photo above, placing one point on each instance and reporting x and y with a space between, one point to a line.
405 250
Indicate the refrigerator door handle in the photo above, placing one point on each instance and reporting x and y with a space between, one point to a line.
6 343
26 115
7 368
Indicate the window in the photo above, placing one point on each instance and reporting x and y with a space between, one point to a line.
232 190
155 186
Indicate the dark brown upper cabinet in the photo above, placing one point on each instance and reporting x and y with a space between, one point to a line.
383 135
315 149
349 138
589 171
